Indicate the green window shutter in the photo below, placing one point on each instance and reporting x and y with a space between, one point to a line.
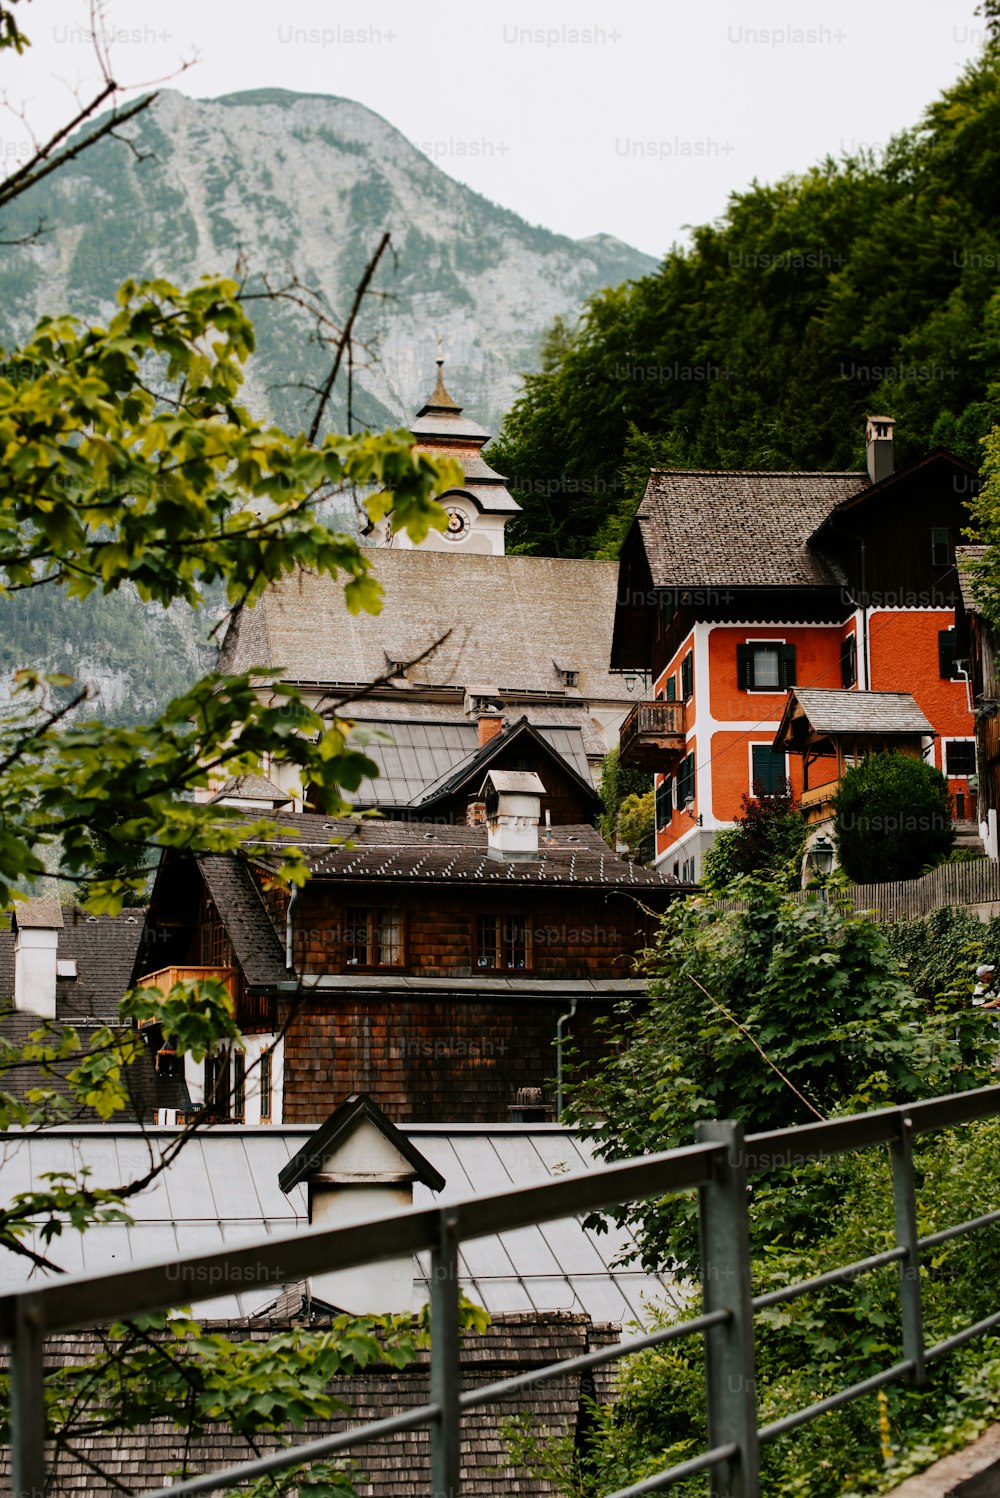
787 665
663 804
768 773
849 662
744 667
687 676
671 688
946 653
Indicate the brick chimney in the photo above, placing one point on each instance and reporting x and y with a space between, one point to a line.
36 925
513 811
481 704
878 439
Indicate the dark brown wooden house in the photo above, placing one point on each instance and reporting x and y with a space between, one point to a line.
442 969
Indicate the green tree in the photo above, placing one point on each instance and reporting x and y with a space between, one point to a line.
127 461
765 343
773 1015
893 818
618 783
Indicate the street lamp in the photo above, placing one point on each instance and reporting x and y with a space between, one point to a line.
821 855
631 677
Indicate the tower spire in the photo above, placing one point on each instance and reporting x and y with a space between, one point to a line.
441 400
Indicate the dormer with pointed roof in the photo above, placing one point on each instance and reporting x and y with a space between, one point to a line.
480 507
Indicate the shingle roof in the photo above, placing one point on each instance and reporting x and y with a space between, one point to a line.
860 712
397 1465
430 852
509 616
966 558
254 940
40 915
252 788
723 529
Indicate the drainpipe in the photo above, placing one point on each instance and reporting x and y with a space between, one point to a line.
562 1020
289 954
853 536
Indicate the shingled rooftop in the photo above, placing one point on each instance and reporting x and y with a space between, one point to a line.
712 528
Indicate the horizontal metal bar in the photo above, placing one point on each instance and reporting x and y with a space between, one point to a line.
823 1406
675 1474
933 1239
831 1277
293 1456
960 1338
781 1148
84 1300
489 1392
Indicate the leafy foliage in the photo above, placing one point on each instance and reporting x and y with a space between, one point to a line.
618 783
767 840
866 284
775 1014
771 1015
893 818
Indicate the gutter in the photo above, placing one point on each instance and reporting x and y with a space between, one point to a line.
562 1020
289 932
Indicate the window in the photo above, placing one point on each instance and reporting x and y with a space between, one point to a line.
947 664
503 941
664 803
373 937
214 943
765 667
960 757
848 661
217 1088
671 688
769 773
687 677
685 781
265 1085
239 1087
940 546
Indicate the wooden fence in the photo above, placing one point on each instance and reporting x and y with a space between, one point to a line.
974 883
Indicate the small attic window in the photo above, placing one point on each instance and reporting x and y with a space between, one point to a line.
568 675
66 967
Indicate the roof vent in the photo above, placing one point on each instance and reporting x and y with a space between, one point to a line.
513 811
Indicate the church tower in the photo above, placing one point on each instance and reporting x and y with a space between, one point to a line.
479 509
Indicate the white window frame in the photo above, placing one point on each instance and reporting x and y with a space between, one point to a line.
964 738
761 744
765 691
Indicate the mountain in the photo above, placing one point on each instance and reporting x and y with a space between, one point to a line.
281 185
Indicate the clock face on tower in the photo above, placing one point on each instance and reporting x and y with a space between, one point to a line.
459 523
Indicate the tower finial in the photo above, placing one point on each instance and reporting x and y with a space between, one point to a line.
441 400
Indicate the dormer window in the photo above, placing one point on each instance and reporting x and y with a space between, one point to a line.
568 674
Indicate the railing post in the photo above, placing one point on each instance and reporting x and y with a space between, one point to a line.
729 1347
27 1403
445 1374
910 1292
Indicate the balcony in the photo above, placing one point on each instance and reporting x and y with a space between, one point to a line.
817 803
165 977
652 733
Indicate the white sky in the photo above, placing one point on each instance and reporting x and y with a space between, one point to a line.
634 119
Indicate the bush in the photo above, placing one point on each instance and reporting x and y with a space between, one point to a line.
618 783
893 819
767 840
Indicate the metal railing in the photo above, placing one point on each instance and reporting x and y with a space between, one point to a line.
717 1165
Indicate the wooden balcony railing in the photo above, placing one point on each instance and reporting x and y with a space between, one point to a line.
652 734
165 977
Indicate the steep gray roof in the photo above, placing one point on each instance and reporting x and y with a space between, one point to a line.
509 617
861 712
248 925
252 788
104 948
714 528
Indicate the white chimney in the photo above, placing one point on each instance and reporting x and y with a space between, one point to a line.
356 1166
513 811
878 439
37 924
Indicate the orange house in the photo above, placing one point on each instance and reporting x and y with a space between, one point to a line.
735 587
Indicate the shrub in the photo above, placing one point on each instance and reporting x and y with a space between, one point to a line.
893 819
